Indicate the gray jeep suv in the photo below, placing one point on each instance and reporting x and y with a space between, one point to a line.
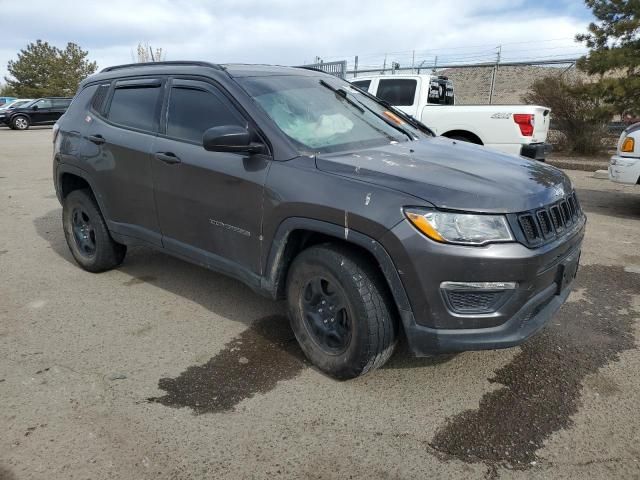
308 189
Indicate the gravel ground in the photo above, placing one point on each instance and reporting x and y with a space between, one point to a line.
164 370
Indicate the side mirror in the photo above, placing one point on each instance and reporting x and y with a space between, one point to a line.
35 107
230 138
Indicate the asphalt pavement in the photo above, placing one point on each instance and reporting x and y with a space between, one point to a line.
164 370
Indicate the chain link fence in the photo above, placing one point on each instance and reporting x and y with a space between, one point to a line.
485 84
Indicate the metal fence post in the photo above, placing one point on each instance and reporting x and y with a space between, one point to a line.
493 75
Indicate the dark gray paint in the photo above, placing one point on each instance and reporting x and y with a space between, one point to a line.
202 208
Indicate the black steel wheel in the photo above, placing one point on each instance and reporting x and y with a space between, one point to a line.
87 234
340 310
83 232
326 316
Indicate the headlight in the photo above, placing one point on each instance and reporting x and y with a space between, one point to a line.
460 228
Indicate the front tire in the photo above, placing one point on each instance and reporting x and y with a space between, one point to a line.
340 311
87 235
20 122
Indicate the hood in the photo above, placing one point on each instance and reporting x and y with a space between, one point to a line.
454 175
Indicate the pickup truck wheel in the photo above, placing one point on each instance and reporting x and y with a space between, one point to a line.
87 235
339 311
462 138
20 123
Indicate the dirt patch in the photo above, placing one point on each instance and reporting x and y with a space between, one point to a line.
6 474
254 362
542 384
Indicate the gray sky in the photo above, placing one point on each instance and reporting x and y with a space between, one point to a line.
292 32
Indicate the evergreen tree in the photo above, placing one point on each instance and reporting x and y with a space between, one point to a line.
614 43
44 70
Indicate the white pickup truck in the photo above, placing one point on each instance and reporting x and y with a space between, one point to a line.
515 129
624 166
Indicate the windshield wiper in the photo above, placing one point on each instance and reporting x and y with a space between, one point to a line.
404 116
343 94
359 106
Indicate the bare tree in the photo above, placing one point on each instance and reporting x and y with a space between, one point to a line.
145 53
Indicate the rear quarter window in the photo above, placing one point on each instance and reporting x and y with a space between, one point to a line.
100 95
75 115
397 91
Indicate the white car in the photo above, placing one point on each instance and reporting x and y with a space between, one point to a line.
515 129
15 103
624 166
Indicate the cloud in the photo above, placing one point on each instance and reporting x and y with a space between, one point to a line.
292 32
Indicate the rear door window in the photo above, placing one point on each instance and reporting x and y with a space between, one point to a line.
194 107
136 106
397 91
61 102
44 103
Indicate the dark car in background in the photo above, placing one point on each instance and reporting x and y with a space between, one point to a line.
42 111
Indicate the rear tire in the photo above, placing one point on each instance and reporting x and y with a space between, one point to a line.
20 122
340 311
87 234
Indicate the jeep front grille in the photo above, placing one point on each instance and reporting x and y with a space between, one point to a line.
544 224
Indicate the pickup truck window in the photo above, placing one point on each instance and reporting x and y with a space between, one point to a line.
363 84
397 91
317 118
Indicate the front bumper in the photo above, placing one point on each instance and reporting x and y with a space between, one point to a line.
536 151
624 170
435 327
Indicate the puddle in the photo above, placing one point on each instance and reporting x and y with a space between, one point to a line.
542 384
253 363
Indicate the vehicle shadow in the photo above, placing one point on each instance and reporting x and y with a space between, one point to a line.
30 129
611 203
216 292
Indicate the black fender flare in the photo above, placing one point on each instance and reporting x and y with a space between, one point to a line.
62 168
276 261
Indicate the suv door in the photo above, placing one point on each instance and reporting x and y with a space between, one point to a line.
41 111
120 136
209 203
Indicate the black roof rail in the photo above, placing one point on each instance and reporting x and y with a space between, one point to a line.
185 63
313 69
